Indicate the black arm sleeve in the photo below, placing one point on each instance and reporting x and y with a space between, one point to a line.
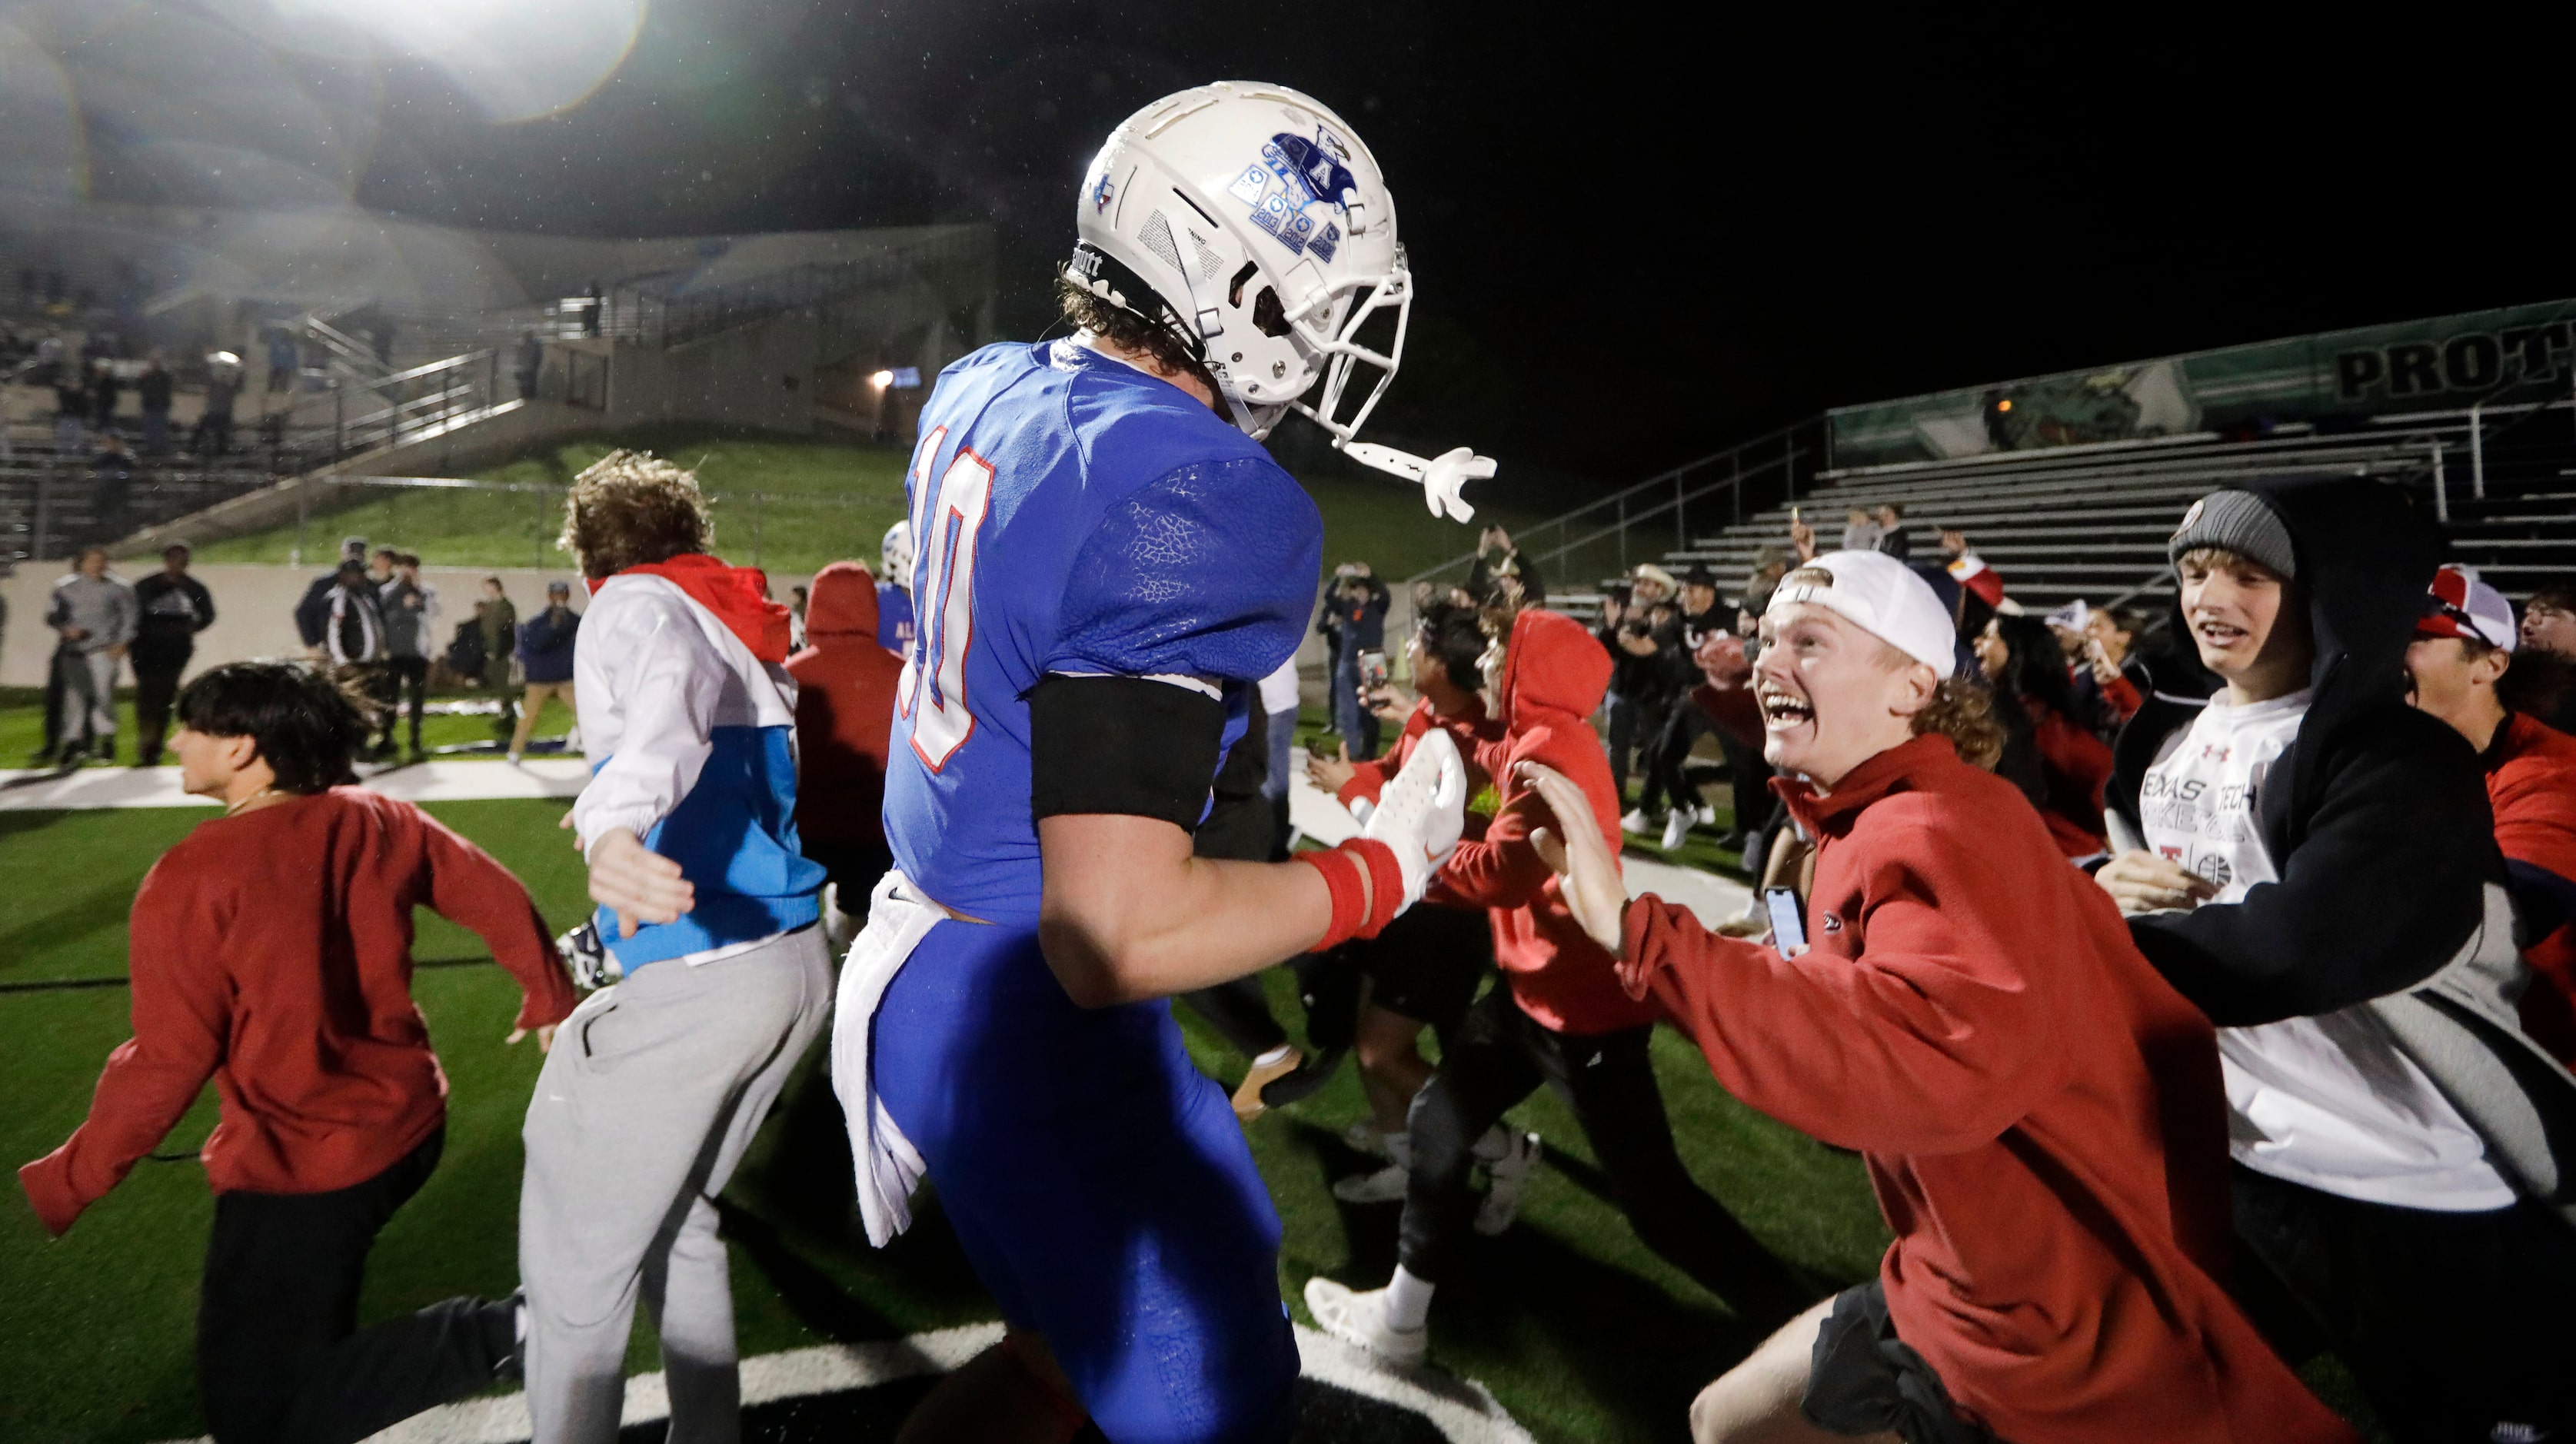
2380 894
1122 744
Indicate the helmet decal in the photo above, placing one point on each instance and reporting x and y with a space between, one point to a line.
1103 193
1308 175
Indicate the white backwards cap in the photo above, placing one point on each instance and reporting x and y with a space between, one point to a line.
1883 597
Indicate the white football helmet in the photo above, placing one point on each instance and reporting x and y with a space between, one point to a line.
895 555
1250 222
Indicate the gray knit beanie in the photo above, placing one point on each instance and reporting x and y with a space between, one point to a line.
2238 521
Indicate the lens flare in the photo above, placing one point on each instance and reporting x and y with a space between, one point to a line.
516 61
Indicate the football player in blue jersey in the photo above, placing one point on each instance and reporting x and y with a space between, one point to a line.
1105 563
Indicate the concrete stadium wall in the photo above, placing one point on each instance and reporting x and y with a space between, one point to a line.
759 375
255 609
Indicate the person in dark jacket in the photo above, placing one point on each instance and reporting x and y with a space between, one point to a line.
1355 619
1703 615
545 658
174 608
313 611
153 389
1497 558
2052 757
410 608
2313 863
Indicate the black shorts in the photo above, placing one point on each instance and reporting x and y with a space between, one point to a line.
1427 963
1862 1379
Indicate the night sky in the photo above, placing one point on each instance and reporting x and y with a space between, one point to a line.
1634 244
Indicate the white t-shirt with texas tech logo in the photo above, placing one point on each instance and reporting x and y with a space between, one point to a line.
2327 1102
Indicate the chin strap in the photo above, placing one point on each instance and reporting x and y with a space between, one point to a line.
1443 477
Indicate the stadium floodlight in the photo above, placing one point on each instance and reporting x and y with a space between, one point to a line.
516 61
881 380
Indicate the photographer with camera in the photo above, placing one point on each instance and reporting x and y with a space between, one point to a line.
1497 558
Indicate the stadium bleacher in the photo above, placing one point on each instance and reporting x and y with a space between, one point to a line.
2091 521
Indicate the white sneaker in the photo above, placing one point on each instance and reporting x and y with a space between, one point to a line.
1359 1319
1707 815
1509 1173
1387 1185
1363 1137
1677 826
1636 822
512 759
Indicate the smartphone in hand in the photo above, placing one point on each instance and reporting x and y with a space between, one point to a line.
1788 924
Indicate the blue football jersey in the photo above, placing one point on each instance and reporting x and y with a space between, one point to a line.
1071 514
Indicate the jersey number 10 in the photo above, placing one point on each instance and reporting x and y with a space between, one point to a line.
945 525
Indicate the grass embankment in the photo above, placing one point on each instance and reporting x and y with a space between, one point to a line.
787 504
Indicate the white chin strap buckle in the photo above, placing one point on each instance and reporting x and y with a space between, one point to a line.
1442 478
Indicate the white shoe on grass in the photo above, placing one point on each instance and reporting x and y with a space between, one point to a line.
1509 1174
1359 1319
1677 826
1636 822
1387 1185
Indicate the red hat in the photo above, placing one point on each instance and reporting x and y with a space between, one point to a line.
2458 604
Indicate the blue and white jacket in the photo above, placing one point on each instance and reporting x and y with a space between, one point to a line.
692 747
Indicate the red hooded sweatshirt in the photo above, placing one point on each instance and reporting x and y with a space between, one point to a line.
2040 1112
845 693
2531 783
1554 673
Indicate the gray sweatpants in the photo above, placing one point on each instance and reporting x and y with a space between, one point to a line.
652 1092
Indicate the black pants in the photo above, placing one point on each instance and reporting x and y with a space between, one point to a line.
1501 1056
401 676
1749 778
1240 1012
1621 739
156 686
1670 755
279 1354
2454 1324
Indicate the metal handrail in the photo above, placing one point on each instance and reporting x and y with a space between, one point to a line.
1740 473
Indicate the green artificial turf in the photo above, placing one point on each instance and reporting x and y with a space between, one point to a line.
22 727
1578 1330
789 504
1547 1315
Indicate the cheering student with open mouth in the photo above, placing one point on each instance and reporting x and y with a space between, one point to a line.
2040 1112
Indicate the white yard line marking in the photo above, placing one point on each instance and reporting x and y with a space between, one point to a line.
108 787
1461 1409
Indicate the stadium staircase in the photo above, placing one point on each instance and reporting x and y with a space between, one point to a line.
2073 522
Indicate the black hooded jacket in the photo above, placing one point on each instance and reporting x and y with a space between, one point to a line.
2376 817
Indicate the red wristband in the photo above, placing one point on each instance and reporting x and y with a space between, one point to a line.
1342 878
1386 883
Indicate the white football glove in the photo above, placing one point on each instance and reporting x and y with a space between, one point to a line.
1443 477
1423 812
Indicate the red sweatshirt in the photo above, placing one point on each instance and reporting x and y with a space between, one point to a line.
2041 1114
272 951
845 693
2074 764
1554 673
2531 783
